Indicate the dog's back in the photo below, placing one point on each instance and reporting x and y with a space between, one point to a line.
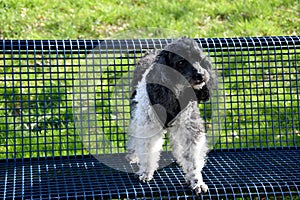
143 64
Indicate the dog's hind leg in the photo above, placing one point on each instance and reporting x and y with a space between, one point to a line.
189 146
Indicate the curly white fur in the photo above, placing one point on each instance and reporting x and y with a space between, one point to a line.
189 147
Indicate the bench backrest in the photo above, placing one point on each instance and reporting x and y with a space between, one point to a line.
59 98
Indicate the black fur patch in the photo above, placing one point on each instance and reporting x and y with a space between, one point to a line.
161 87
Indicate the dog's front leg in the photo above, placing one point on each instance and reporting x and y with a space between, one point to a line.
189 147
148 153
144 148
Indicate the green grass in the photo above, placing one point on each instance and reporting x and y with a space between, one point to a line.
93 19
36 115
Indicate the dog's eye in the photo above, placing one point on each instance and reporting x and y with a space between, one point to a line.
180 63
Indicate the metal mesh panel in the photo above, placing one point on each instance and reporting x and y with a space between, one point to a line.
260 77
42 154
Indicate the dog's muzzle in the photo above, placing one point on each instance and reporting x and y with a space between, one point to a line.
202 77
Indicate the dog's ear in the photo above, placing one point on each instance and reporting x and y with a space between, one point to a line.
164 58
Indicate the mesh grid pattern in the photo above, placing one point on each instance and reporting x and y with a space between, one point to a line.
247 174
41 151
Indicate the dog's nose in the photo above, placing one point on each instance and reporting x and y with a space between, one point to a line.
199 77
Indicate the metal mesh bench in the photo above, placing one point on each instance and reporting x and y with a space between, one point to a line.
42 122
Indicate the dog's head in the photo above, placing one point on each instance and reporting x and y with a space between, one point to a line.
185 56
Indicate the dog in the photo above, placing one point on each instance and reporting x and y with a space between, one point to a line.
167 87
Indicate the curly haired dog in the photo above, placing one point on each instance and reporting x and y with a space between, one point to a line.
167 87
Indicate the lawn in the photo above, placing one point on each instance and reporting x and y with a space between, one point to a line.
93 19
36 115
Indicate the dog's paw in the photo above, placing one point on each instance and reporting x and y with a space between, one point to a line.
201 188
146 176
132 158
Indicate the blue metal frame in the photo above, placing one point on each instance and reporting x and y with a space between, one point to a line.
41 155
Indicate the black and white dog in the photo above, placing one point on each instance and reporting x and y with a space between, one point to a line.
167 87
